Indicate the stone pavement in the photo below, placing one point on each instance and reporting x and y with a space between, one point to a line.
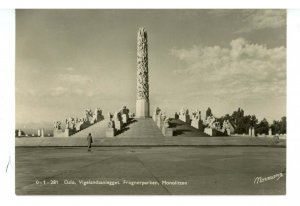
164 170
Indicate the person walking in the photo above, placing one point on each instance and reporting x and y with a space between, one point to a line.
89 141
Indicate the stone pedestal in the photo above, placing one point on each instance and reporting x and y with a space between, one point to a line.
39 132
253 132
154 117
110 132
67 132
159 122
250 132
42 132
58 133
168 132
196 124
270 132
19 133
142 108
185 118
118 124
210 131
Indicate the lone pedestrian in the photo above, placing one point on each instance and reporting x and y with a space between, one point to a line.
89 141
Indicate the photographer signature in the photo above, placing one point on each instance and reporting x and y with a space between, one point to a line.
259 180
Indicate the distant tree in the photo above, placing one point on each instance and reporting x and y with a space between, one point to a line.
283 125
253 121
237 115
208 112
246 123
240 122
279 126
276 126
262 127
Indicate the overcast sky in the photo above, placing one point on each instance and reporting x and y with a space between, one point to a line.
71 60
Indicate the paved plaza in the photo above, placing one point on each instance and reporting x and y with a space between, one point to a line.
150 170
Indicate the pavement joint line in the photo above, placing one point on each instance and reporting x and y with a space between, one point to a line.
142 163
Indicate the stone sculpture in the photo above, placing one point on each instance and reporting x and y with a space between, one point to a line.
57 125
155 113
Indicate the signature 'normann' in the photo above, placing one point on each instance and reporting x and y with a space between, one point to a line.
259 180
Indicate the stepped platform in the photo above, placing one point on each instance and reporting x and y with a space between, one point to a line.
144 132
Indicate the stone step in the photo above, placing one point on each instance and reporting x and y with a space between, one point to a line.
142 128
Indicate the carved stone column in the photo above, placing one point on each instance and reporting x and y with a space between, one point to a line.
142 97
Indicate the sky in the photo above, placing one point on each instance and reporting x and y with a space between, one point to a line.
71 60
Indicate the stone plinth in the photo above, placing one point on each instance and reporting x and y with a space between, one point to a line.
142 108
118 124
185 118
154 117
110 132
58 133
253 132
67 132
42 132
159 122
168 132
197 124
210 131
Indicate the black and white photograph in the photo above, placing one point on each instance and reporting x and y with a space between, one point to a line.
150 101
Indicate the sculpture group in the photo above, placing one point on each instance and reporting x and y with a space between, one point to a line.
118 121
210 125
74 124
